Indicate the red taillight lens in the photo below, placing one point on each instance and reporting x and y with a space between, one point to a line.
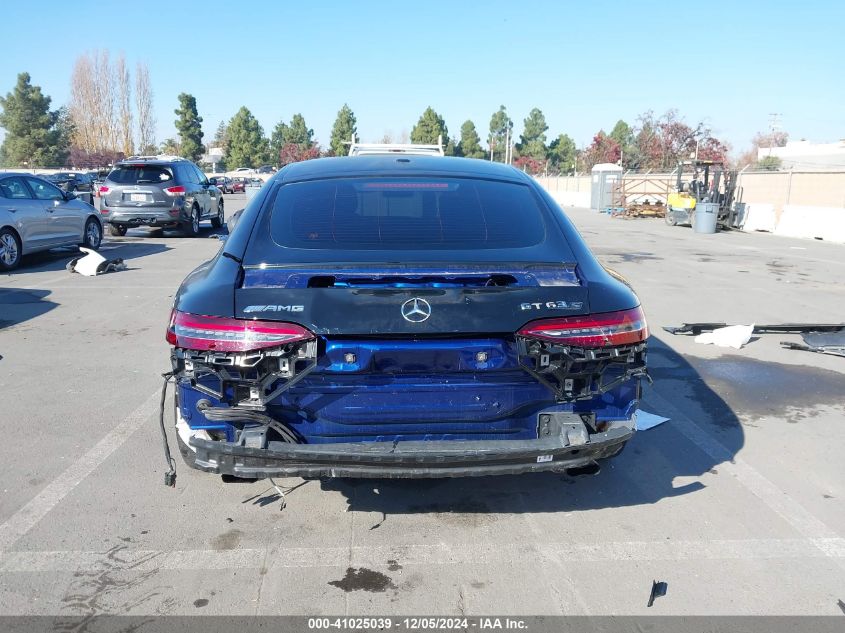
192 331
102 190
593 330
178 190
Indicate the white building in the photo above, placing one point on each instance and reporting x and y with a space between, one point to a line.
806 155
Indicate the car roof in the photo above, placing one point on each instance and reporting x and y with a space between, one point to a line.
398 165
157 162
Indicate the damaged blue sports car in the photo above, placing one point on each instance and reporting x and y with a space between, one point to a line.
404 316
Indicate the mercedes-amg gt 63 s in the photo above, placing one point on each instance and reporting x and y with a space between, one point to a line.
404 316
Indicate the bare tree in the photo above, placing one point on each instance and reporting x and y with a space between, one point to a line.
144 110
82 105
92 106
124 104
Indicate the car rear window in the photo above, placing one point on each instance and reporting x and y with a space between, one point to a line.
406 214
140 174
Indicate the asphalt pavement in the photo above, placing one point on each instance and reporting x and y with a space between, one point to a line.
737 503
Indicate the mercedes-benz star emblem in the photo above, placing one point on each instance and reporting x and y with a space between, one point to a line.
416 310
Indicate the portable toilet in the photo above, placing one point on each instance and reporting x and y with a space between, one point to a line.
605 177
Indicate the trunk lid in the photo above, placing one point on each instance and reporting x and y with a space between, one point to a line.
416 300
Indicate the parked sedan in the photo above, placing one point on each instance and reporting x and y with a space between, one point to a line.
36 215
419 317
72 181
223 183
239 185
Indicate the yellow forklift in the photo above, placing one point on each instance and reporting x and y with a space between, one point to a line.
709 183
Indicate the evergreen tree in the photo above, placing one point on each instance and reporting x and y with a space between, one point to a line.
533 140
470 145
35 136
221 136
247 145
501 127
342 131
624 136
562 153
189 126
430 126
297 133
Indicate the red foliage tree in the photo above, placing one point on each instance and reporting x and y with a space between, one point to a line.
530 165
79 158
603 149
713 149
293 153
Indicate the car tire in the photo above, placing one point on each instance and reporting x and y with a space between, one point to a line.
218 220
93 236
10 250
670 218
116 230
192 227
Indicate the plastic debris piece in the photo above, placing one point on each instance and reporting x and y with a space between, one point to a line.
88 265
658 590
732 336
93 264
820 342
643 420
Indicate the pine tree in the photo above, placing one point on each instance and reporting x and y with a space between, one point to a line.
247 145
533 140
501 127
470 145
35 136
342 131
562 153
189 126
297 133
429 128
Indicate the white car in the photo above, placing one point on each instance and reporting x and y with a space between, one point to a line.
35 215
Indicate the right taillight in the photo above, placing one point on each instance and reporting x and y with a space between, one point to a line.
606 329
208 333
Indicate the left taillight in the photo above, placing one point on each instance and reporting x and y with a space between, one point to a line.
606 329
175 191
207 333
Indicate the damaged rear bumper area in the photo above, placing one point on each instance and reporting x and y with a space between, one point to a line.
568 448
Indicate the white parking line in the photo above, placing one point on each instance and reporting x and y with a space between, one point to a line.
436 554
28 516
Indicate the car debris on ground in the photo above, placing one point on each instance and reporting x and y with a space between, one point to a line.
92 264
822 338
786 328
658 589
645 420
820 342
731 336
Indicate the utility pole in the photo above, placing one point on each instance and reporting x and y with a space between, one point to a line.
774 126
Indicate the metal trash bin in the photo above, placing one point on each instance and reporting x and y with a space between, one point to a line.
705 217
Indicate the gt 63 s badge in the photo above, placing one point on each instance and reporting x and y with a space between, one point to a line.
552 305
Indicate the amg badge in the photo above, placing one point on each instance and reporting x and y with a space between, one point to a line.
274 308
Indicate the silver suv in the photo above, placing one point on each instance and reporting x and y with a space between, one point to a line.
159 192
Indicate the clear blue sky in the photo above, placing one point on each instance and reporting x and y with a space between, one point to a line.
585 64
